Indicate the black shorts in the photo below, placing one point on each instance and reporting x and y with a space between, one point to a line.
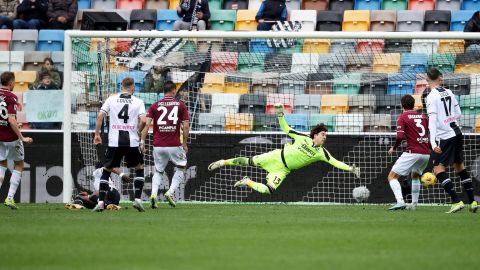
114 155
452 151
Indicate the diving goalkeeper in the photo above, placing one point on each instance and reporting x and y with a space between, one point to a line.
280 162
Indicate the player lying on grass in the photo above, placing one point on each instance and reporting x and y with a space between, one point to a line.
279 163
112 198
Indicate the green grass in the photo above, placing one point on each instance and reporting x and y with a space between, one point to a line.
238 236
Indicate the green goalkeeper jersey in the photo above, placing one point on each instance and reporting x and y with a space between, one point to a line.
303 152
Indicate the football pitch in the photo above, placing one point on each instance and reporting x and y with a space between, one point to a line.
238 236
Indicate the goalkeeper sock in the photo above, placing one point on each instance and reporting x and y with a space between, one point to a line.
448 186
259 187
467 184
3 170
415 190
138 184
397 190
239 161
176 180
14 182
156 180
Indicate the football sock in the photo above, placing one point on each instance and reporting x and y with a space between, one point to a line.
415 190
156 180
138 184
102 192
467 184
239 161
259 187
178 177
397 190
3 170
448 186
14 182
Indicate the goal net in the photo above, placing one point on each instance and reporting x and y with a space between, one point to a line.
352 82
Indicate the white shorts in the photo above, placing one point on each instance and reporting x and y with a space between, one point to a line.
12 150
410 162
161 156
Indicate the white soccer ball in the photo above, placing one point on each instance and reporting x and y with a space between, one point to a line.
361 193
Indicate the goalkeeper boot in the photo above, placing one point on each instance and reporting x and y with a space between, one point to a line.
138 205
456 207
10 203
99 207
473 207
153 202
170 199
215 165
398 206
243 182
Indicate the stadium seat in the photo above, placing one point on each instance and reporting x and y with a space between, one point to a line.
34 60
460 19
474 84
329 20
470 104
361 104
143 19
148 98
138 77
334 104
124 13
467 63
173 4
266 122
427 46
360 63
467 123
319 84
236 4
259 45
307 104
236 45
459 84
348 84
156 4
437 20
297 48
24 40
367 4
370 46
410 20
386 63
123 45
308 18
213 83
388 104
327 119
316 46
104 4
343 46
225 103
265 83
418 102
420 83
252 103
223 20
24 80
246 20
95 42
397 46
292 83
278 62
87 62
224 62
377 123
448 5
349 123
470 5
251 62
215 5
394 4
84 4
11 61
401 84
443 62
285 99
293 4
166 18
299 122
332 63
341 5
356 20
454 46
305 62
314 4
413 63
383 20
130 4
374 83
211 44
477 124
58 60
238 122
211 121
5 38
237 84
421 4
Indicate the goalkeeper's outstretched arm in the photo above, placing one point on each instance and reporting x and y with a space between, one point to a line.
283 123
340 165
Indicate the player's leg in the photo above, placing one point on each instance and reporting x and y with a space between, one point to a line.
179 158
400 168
465 179
3 162
113 157
416 171
238 161
113 199
135 158
160 159
16 153
274 179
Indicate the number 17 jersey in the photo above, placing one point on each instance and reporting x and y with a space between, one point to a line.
167 114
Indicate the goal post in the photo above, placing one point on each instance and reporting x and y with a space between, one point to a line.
231 78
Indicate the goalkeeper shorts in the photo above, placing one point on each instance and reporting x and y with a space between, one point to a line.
272 163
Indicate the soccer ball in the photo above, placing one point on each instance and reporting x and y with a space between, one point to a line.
428 179
361 193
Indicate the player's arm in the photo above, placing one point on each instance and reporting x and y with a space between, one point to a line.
14 125
456 108
400 135
340 165
432 122
144 133
186 131
98 125
283 123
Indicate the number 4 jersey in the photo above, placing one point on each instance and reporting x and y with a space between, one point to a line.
167 115
124 112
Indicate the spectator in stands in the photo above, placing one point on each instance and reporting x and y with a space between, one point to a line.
45 82
269 12
31 14
61 13
49 68
473 25
186 9
8 9
154 80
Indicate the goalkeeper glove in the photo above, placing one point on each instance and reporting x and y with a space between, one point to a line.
279 109
355 170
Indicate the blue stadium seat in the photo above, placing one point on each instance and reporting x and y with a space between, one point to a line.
84 4
299 122
368 4
166 18
471 5
401 84
460 19
413 63
327 119
50 40
138 77
259 45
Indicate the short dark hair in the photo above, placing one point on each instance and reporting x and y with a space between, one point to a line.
433 74
42 75
169 86
6 78
317 129
127 82
48 59
408 102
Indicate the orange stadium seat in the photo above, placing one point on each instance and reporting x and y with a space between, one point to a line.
225 62
246 20
421 4
477 124
214 83
130 4
386 63
334 104
451 46
238 122
356 20
173 4
316 45
24 80
371 46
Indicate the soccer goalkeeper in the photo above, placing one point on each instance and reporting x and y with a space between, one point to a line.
280 162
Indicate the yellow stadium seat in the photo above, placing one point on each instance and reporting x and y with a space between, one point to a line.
173 4
24 80
236 87
418 102
451 46
356 20
214 83
246 20
238 122
334 104
467 68
316 45
386 63
477 124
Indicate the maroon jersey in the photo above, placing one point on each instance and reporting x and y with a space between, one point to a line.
413 126
167 114
8 106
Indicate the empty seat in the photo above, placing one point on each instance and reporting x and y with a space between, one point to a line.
5 38
451 46
259 45
24 80
211 121
58 61
308 18
459 84
292 83
467 123
329 20
156 4
361 104
316 46
278 63
305 62
377 123
130 4
246 20
225 62
34 60
83 4
343 46
319 83
237 84
296 48
252 103
24 40
208 45
448 5
293 4
459 19
266 122
332 63
348 84
467 63
445 63
236 4
374 83
334 104
213 83
225 103
143 19
437 20
341 5
315 4
388 104
104 4
386 63
367 4
410 20
421 4
223 20
137 76
401 84
215 5
394 4
370 46
349 123
360 63
173 4
235 45
264 83
307 104
413 63
166 18
470 104
11 60
356 20
470 5
427 46
397 46
251 62
383 20
420 83
298 122
285 99
327 119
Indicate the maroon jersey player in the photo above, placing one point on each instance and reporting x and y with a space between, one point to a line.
169 116
413 127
